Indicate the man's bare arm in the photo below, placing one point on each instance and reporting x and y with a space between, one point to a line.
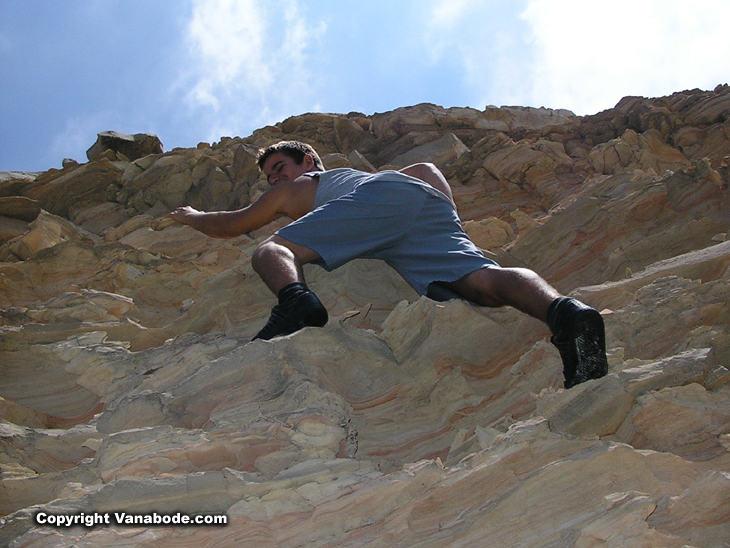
289 199
217 224
429 173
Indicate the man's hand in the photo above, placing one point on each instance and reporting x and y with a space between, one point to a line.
186 215
207 223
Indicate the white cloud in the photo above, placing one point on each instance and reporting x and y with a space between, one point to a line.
250 62
447 13
448 30
227 41
588 55
577 54
483 39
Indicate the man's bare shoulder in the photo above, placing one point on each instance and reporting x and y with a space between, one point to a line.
294 198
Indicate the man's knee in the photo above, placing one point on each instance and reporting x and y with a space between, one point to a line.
264 252
480 287
275 249
487 286
258 259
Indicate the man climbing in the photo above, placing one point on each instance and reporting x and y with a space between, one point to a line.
406 218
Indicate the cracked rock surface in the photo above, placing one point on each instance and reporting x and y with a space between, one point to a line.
128 382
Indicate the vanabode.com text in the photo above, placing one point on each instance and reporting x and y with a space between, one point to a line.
122 518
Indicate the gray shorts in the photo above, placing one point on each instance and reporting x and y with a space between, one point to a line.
415 232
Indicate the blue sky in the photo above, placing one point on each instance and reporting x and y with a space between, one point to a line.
196 70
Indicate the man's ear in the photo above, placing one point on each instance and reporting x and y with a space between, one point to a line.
308 161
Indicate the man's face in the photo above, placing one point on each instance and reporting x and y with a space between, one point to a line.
280 168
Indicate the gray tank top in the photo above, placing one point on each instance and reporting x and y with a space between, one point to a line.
335 183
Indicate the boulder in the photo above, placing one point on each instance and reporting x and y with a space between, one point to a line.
71 190
442 151
130 146
20 208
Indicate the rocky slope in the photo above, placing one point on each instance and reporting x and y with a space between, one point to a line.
128 382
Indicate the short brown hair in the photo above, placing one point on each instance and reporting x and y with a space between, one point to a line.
296 150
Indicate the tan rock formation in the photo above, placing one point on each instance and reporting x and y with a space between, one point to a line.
128 384
131 146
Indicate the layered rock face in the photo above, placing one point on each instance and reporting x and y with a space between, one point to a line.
128 382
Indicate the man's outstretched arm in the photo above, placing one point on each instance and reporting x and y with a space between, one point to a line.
229 224
429 173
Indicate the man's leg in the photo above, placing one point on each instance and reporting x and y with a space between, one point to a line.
578 330
519 288
279 263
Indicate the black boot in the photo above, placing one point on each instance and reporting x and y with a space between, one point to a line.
298 308
579 335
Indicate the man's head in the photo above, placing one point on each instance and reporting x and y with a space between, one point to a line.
295 150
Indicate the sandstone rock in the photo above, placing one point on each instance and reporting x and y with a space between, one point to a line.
128 381
631 152
335 160
82 187
132 146
700 512
524 222
44 232
160 183
445 150
538 118
168 180
11 228
20 207
12 183
358 161
489 233
98 218
87 305
351 135
526 164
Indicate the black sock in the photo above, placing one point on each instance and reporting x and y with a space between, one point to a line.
561 313
555 313
291 292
